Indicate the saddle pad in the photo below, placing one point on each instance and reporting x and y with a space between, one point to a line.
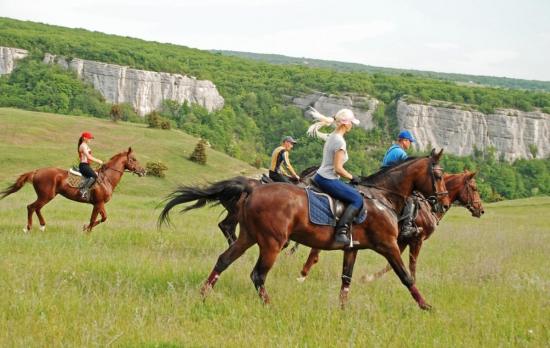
76 180
320 213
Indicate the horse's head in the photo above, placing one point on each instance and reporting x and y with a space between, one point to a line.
133 165
469 196
434 186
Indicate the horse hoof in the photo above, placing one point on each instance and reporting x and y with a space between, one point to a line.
427 307
301 279
25 230
367 278
42 228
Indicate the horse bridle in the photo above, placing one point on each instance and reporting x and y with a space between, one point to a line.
470 201
433 199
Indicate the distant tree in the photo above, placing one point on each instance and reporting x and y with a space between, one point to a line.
199 154
116 113
153 119
533 149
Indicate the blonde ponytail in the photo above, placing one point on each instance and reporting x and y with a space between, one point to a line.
323 121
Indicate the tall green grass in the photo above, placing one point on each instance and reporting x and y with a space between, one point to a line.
129 284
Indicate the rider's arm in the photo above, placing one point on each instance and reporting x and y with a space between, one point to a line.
288 166
339 165
92 158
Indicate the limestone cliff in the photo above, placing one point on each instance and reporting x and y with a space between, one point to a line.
8 56
511 132
144 90
329 105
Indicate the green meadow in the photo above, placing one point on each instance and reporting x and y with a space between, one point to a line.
131 284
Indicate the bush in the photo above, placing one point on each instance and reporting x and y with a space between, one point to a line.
156 169
199 154
153 119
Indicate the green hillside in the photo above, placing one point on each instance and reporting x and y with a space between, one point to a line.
465 79
31 140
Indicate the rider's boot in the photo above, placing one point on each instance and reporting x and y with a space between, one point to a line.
344 224
86 187
408 229
82 189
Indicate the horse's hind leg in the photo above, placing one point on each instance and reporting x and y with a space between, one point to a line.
234 251
32 208
228 227
263 266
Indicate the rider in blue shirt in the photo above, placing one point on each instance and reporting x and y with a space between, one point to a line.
395 155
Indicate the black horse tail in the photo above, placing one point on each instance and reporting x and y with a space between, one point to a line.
23 179
226 192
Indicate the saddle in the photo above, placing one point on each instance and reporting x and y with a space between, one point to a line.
318 201
74 179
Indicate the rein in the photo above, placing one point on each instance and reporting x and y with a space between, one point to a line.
432 200
104 169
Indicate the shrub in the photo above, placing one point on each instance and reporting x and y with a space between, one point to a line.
116 112
156 169
199 154
153 119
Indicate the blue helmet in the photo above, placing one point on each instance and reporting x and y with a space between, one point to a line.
405 134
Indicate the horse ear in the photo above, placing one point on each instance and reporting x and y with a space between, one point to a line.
437 157
130 149
471 175
432 153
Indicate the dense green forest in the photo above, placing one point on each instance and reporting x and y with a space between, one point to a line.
503 82
257 113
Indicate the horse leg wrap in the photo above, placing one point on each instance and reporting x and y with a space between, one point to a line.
344 291
210 282
417 297
263 295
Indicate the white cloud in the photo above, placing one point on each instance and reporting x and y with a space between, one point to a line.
441 46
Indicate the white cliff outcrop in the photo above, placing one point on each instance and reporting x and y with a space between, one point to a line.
329 105
144 90
8 56
510 131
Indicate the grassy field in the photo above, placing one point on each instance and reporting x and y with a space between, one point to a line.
129 284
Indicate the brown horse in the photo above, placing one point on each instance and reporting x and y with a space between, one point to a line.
462 189
228 225
48 182
271 214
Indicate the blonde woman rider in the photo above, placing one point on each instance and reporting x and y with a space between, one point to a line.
332 168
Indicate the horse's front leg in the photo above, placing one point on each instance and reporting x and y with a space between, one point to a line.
347 272
368 278
99 208
414 251
393 255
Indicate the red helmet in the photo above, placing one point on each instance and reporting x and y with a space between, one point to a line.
87 135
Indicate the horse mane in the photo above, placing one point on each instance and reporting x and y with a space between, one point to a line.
124 153
308 171
383 172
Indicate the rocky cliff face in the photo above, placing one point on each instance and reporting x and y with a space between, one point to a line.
8 56
144 90
511 132
329 105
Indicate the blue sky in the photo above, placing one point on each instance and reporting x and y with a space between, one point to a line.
480 37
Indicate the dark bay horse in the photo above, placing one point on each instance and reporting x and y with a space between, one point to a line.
462 189
48 182
228 225
271 214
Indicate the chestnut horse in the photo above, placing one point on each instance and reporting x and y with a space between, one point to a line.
271 214
228 225
462 189
48 182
